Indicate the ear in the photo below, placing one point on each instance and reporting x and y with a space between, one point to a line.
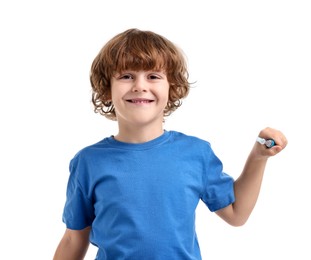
108 95
108 103
108 100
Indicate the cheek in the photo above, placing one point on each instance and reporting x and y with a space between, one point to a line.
165 97
170 95
116 93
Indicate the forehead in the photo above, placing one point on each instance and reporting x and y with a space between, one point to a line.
136 61
137 71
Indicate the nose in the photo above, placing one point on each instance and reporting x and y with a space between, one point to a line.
139 84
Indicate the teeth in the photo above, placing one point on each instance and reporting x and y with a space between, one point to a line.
140 101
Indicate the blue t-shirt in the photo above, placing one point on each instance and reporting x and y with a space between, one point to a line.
140 199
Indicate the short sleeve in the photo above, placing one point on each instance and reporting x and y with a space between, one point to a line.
78 211
219 186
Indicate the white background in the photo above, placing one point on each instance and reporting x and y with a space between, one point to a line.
251 61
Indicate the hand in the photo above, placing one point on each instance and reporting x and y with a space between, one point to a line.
270 133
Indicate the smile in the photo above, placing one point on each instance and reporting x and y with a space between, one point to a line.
139 101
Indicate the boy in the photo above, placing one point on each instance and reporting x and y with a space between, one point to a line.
134 194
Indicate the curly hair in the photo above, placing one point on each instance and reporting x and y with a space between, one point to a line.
137 50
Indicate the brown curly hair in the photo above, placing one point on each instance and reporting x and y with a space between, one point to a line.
137 50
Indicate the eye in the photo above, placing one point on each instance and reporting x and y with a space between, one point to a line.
126 76
154 76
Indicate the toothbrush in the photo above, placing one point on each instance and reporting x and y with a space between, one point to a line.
267 142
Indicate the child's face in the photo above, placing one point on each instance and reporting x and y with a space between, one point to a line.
140 97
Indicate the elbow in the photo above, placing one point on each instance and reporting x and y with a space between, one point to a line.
233 216
237 222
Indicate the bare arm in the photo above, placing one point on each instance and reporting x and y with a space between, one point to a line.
73 245
247 186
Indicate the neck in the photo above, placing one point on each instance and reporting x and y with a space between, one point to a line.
138 134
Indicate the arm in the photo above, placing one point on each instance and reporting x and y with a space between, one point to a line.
247 185
73 245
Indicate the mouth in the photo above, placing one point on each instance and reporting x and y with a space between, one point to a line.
140 100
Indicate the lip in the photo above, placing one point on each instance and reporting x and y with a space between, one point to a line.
140 100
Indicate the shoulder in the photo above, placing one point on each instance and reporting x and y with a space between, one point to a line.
190 141
179 136
92 150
